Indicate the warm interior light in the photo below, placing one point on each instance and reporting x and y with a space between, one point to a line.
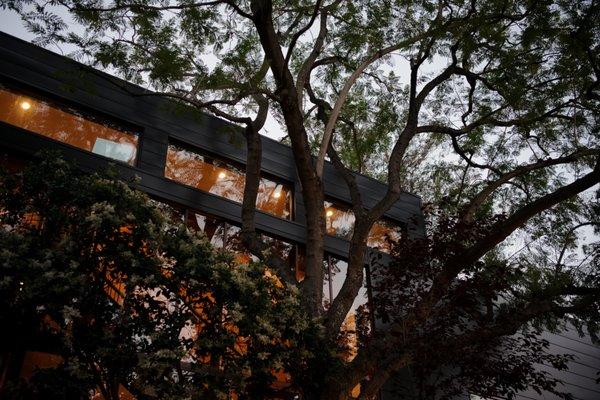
277 194
25 105
222 175
329 213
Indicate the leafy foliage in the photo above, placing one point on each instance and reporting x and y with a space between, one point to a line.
93 272
486 109
474 339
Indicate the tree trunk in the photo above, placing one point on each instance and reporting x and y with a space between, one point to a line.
312 188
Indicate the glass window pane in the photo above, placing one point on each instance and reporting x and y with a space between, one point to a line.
224 235
292 254
37 360
383 235
215 176
335 274
340 222
173 212
67 125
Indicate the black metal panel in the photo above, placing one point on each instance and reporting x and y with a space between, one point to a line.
17 140
161 119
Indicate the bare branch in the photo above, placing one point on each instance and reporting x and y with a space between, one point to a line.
364 221
303 30
307 66
501 230
565 246
312 187
337 108
470 209
349 179
250 237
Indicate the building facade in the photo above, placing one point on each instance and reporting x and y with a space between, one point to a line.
189 161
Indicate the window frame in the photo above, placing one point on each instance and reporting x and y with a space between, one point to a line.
237 166
345 207
75 108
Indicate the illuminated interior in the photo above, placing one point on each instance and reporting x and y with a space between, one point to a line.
214 176
224 235
67 125
34 360
335 274
340 223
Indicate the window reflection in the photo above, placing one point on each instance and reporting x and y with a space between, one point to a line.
215 176
224 235
37 360
173 212
335 274
67 125
383 235
340 222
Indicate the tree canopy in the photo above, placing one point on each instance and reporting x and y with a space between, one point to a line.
487 109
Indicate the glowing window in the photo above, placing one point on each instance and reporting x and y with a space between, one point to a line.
340 222
214 176
224 235
357 318
67 125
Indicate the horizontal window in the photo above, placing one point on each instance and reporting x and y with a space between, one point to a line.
340 223
224 235
227 236
67 125
217 177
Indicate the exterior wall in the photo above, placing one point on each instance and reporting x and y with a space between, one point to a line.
160 120
582 380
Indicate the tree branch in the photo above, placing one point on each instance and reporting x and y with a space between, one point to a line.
559 263
337 108
323 109
470 209
250 237
307 66
502 229
312 189
303 30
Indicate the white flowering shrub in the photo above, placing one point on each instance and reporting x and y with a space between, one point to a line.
125 300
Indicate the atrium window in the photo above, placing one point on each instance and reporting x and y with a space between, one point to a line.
227 236
358 317
67 125
340 222
223 179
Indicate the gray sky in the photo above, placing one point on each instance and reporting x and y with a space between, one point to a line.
11 23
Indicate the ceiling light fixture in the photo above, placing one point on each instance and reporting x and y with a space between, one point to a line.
222 175
25 105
